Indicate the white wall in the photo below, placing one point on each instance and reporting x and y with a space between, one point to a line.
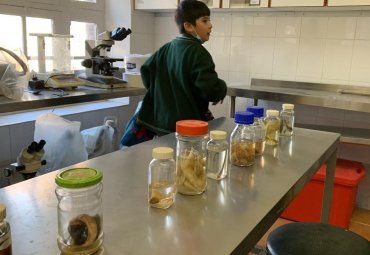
122 14
118 14
326 47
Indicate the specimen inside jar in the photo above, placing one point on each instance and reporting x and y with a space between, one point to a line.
272 132
242 152
161 194
260 147
191 172
286 125
83 229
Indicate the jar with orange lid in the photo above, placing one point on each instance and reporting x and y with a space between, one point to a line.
191 154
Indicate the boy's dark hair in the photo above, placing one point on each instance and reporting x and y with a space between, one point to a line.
190 11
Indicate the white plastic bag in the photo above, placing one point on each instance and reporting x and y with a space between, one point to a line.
14 73
102 139
64 143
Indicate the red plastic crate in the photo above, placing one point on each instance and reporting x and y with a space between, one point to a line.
307 205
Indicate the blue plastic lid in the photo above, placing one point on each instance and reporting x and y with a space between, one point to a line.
256 110
244 118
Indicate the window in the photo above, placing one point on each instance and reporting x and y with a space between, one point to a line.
11 33
18 22
81 31
39 25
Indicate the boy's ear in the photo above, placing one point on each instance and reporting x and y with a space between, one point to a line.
189 28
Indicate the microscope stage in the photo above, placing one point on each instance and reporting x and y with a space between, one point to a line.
105 82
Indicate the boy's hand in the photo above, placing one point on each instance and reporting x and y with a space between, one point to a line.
221 101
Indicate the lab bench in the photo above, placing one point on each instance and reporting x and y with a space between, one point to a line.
57 97
228 218
342 97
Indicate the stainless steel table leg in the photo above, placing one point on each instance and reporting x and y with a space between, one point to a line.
232 106
328 188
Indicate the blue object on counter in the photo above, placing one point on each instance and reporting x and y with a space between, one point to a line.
258 111
244 117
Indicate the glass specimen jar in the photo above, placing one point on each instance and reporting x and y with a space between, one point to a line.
259 128
287 120
217 155
162 178
242 141
191 156
80 212
5 233
272 124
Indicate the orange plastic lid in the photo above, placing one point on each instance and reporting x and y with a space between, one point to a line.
191 127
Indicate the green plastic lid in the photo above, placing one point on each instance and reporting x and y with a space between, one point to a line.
78 177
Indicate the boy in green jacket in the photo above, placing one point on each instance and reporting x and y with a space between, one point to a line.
180 77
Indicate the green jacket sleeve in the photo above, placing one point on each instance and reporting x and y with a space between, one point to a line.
211 88
147 71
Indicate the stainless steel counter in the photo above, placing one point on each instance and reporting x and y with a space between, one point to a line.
353 98
348 135
229 218
50 98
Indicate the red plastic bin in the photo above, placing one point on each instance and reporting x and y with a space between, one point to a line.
306 207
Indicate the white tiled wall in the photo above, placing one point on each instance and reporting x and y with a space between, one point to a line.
328 47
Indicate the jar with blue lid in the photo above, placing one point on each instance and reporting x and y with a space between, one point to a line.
242 140
80 212
259 128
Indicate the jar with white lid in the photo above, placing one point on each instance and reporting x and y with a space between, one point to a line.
242 141
217 155
287 120
259 128
272 124
191 154
162 178
80 211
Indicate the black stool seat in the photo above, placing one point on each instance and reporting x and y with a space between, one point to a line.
304 238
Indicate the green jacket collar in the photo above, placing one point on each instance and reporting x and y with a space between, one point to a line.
189 37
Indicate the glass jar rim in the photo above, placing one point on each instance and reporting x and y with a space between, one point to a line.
78 177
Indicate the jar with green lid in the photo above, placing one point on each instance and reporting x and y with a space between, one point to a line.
80 212
162 178
191 156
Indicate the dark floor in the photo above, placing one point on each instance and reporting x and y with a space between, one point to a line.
360 224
